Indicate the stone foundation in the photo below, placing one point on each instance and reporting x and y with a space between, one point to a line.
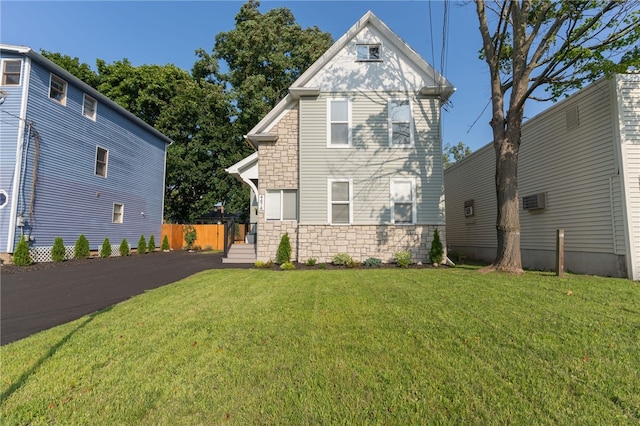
361 242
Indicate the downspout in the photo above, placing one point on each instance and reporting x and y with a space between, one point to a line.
17 174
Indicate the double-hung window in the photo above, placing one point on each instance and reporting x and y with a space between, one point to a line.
400 123
403 201
118 213
89 106
11 73
282 204
58 89
102 158
339 125
340 201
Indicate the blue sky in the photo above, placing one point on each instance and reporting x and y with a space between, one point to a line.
161 32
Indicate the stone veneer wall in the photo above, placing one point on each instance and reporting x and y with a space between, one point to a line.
361 242
278 169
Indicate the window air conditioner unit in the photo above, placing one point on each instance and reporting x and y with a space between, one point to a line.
534 202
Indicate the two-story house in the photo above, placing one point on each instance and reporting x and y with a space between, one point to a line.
350 160
72 161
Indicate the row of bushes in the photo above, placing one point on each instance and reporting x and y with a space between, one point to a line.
401 258
81 250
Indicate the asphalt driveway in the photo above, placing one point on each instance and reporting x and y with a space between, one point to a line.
45 295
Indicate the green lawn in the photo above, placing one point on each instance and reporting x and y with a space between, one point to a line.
357 346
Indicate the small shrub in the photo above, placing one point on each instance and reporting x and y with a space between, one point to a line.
165 244
58 252
373 262
311 261
142 245
269 264
21 256
81 249
287 266
436 253
403 258
190 236
354 264
322 266
105 249
208 248
259 264
152 244
124 248
342 259
284 250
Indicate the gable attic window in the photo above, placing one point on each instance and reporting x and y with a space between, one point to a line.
58 89
369 52
89 106
11 73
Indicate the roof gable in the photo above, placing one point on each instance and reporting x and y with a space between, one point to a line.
337 70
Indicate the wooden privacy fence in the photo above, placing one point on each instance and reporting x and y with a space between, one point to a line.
207 236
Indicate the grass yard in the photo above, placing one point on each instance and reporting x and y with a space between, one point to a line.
357 346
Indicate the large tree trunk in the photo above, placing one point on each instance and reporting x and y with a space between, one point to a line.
508 219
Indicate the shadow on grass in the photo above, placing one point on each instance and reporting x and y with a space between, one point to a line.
31 371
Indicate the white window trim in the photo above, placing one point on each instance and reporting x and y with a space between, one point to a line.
63 101
329 122
390 124
3 69
330 201
113 213
95 107
281 191
414 206
106 162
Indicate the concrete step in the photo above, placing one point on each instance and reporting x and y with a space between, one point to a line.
241 253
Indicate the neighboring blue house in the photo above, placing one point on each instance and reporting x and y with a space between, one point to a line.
72 161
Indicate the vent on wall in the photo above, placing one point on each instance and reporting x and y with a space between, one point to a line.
572 117
534 202
468 208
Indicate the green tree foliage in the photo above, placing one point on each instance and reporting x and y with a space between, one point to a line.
264 55
544 44
124 248
451 154
142 245
152 244
58 252
21 256
190 236
81 250
105 249
284 250
436 253
81 70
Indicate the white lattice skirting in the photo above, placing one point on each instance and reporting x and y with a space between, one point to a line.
43 254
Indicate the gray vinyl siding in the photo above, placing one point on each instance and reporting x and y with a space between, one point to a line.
629 94
9 128
472 179
370 162
574 167
69 198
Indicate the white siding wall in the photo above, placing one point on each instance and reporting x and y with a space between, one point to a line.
628 88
